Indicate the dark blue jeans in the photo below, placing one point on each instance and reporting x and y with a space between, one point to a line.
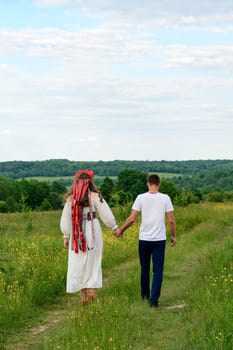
154 250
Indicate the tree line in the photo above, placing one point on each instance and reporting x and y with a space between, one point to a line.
25 194
65 167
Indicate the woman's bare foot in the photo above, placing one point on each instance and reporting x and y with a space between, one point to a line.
91 294
84 296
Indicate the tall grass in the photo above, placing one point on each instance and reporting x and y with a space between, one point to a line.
196 306
211 303
32 266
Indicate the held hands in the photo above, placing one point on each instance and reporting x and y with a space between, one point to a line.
118 233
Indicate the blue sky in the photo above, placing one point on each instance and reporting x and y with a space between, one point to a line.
113 79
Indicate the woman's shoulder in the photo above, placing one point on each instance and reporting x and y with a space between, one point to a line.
96 198
69 199
94 195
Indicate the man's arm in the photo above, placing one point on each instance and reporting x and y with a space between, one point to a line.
128 222
172 226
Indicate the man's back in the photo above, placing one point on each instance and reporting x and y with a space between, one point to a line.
153 207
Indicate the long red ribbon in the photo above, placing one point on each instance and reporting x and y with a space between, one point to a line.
79 191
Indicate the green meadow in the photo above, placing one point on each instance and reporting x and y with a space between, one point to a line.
196 309
98 178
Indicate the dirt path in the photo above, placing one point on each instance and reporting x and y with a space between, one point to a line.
50 318
28 338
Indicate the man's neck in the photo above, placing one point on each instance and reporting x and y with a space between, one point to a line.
153 188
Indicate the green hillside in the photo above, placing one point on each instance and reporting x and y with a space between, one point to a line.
64 167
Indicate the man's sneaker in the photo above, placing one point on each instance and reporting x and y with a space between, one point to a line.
154 305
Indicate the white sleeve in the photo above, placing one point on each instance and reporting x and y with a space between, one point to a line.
66 220
105 213
169 206
137 204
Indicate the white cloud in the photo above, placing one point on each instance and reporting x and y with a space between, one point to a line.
3 66
56 2
153 13
6 132
83 140
208 57
89 53
209 18
124 87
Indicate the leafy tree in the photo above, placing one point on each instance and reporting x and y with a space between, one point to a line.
3 207
23 207
55 200
45 205
107 189
9 187
123 197
57 187
169 188
12 204
228 196
132 181
3 188
215 197
38 191
24 195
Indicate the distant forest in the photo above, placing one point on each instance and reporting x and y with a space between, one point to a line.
40 185
64 167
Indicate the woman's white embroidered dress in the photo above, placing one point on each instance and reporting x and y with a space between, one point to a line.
84 268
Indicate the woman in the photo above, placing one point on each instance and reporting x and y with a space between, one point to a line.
83 236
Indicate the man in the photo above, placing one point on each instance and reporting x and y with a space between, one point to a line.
154 207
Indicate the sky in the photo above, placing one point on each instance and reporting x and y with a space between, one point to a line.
90 80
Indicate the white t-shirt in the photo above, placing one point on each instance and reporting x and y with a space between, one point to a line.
153 208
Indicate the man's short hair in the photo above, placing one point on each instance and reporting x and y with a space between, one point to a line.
153 179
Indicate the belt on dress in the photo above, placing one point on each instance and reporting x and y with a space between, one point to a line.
89 215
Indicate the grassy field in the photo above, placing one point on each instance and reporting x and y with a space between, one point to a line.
69 179
98 179
196 303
